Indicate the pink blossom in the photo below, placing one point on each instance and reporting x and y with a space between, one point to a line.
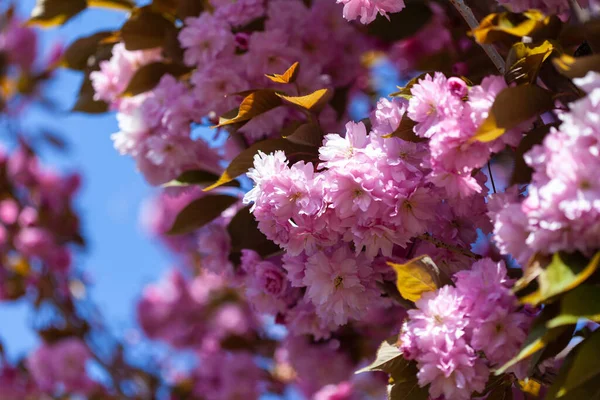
61 363
206 38
367 10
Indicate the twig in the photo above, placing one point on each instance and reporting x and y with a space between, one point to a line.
490 50
443 245
491 176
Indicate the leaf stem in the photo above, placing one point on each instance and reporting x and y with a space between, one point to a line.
490 50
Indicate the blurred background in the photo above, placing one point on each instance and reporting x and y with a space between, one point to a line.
120 258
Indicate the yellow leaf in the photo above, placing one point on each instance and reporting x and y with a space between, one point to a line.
530 386
524 62
311 102
416 277
20 265
125 5
288 76
254 104
510 26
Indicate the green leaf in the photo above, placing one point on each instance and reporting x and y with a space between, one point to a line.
564 273
416 277
148 76
288 76
314 102
513 106
197 177
581 302
253 105
388 359
245 160
77 55
200 212
145 29
48 13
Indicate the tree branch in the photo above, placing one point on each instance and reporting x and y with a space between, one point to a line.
490 50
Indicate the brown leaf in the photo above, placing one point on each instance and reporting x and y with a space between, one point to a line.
77 55
244 234
572 67
524 62
47 13
522 172
145 29
306 134
147 77
513 106
200 212
401 25
405 131
126 5
508 27
85 100
288 76
254 104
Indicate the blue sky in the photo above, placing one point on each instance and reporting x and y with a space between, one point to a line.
121 258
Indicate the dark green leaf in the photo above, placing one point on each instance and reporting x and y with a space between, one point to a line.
586 364
200 212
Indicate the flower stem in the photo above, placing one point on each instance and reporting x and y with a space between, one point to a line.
490 50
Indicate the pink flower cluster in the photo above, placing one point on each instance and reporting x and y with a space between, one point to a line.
369 196
367 10
443 116
562 207
37 221
61 366
155 127
454 326
197 313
